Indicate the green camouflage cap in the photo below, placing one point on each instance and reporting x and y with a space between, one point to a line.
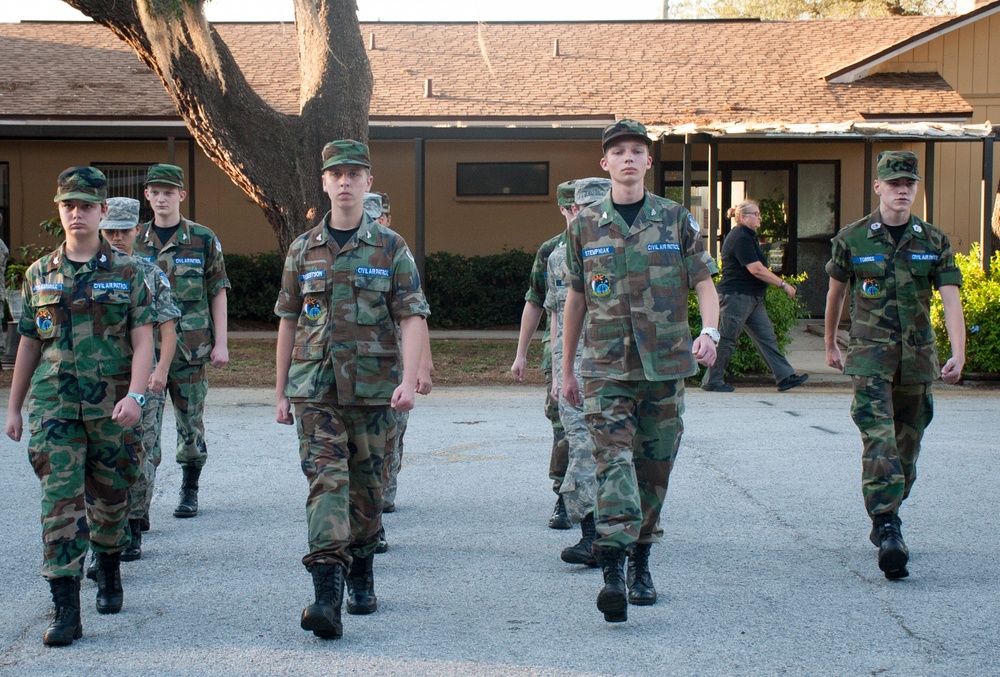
591 190
123 213
386 211
373 205
171 175
345 152
626 127
564 193
897 164
82 183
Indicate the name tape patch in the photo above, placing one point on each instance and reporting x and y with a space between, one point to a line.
598 251
312 275
46 286
924 257
103 286
663 247
871 258
188 262
372 272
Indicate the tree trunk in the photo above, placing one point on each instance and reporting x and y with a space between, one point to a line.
273 158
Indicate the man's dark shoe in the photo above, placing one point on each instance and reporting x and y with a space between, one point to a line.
361 586
583 552
640 582
559 519
611 600
792 381
134 549
892 552
721 388
66 625
188 505
109 583
92 567
322 617
383 545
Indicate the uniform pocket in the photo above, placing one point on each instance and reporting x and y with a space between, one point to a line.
189 283
48 315
110 312
604 348
372 307
377 372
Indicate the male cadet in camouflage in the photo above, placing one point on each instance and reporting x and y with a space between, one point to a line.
120 227
891 259
191 256
632 259
347 284
86 351
579 485
534 303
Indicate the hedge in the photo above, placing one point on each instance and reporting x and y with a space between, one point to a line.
477 292
980 295
256 279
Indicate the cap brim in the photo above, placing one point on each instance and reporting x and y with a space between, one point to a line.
642 137
165 182
335 163
75 195
118 225
902 175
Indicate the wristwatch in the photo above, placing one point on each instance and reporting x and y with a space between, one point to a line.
138 397
712 333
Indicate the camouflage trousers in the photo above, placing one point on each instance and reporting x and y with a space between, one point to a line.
341 450
892 419
187 385
579 486
560 445
636 427
393 458
148 454
85 468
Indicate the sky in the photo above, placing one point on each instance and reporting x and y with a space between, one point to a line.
382 10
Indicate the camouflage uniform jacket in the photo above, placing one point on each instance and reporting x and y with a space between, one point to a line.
537 290
192 260
83 319
346 304
635 281
162 300
891 289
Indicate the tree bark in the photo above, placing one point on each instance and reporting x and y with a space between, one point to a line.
274 158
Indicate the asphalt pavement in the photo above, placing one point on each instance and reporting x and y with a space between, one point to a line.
765 568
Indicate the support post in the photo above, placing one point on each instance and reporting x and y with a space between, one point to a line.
420 207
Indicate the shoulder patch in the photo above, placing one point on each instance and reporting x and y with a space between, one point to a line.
693 223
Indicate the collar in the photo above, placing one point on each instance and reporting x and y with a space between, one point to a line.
182 236
102 257
915 228
651 212
367 232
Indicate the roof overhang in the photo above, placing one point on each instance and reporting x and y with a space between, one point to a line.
919 131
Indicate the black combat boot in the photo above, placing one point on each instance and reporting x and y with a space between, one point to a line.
611 600
361 586
92 567
66 625
145 521
134 549
892 552
583 552
640 582
559 518
188 506
109 583
322 617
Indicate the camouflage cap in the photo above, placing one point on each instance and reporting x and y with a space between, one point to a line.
82 183
591 190
345 152
897 164
373 205
123 213
564 193
622 128
386 211
171 175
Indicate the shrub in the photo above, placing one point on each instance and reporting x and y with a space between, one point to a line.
783 311
980 296
475 292
256 280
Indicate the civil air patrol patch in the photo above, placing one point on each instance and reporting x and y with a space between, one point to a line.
218 245
870 288
663 247
694 224
46 327
164 280
918 256
372 272
188 261
104 286
600 285
312 308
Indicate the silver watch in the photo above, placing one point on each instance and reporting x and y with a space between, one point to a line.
712 333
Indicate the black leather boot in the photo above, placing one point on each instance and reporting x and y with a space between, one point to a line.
322 617
134 549
611 600
145 521
361 586
383 545
92 567
109 583
559 518
66 625
640 582
583 552
892 551
188 506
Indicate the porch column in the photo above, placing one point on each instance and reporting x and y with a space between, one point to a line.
713 199
657 151
868 177
686 180
986 223
419 204
929 181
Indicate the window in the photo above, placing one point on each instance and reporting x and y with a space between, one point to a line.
502 179
126 180
5 202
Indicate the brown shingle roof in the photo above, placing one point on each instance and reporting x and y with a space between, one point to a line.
660 72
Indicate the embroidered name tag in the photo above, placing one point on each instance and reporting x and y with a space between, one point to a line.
149 259
598 251
312 275
188 262
924 257
663 247
372 272
120 286
46 286
871 258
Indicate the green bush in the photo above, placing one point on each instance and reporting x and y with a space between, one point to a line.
980 295
256 280
476 292
784 313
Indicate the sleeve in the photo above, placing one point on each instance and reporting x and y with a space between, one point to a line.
574 257
141 309
215 267
407 296
699 263
551 303
26 326
165 308
289 302
536 281
839 266
946 270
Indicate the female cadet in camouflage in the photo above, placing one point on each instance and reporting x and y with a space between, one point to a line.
891 260
347 284
632 259
86 349
579 485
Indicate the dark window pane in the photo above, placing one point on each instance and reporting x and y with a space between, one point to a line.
488 179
